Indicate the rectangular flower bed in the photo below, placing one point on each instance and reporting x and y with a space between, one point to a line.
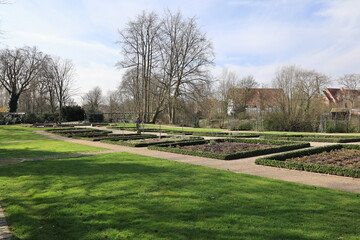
228 149
80 132
152 141
343 160
127 138
112 136
314 138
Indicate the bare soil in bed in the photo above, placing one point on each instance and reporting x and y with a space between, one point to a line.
349 158
225 147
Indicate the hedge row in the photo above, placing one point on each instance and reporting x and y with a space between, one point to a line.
126 138
75 130
313 138
284 146
111 136
79 132
146 144
85 134
280 161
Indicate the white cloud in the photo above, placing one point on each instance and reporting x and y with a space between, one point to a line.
86 78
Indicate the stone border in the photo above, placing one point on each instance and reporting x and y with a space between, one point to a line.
5 233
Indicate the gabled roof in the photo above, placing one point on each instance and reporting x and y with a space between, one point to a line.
261 96
336 95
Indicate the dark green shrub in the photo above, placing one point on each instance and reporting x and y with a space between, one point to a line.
96 117
72 113
31 118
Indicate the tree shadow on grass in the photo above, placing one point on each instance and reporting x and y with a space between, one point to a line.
112 197
31 153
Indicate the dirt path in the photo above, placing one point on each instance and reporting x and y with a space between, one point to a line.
246 165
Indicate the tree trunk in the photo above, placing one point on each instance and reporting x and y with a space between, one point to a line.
13 102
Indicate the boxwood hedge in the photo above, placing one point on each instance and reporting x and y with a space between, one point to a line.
125 138
314 138
145 144
283 146
279 160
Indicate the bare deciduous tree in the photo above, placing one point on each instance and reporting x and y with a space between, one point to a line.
350 81
167 58
60 75
18 68
139 48
299 105
187 54
92 100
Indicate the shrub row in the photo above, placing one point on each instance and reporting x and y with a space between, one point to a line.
79 132
146 144
111 136
284 146
85 134
126 138
280 161
75 130
314 138
212 134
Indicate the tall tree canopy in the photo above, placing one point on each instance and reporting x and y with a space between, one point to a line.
166 58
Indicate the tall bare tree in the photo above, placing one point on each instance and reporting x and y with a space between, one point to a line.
187 55
167 58
139 48
18 68
60 74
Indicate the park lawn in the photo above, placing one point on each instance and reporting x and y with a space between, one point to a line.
42 148
17 133
127 196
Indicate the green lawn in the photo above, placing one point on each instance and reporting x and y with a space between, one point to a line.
42 148
18 133
126 196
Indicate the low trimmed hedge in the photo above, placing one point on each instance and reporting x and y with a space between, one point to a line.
111 136
144 144
133 137
80 132
85 134
283 146
280 161
314 138
75 130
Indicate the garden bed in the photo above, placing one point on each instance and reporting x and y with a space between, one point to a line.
144 142
313 138
229 149
343 160
126 138
79 132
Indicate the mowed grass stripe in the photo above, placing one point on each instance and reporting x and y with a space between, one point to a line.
126 196
18 135
42 148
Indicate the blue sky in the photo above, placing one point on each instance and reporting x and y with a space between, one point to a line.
249 36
